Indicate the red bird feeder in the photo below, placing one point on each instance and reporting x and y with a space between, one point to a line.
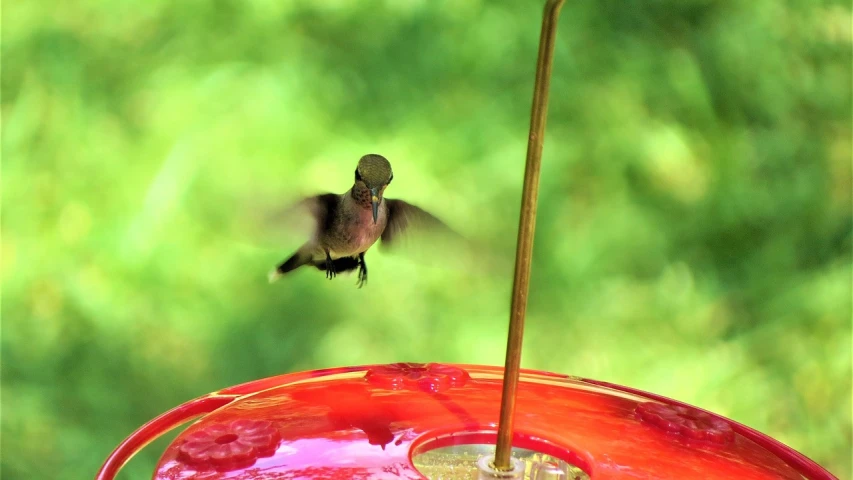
437 421
416 421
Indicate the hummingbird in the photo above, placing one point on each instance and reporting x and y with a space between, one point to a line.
345 226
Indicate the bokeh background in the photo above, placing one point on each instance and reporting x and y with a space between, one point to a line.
693 237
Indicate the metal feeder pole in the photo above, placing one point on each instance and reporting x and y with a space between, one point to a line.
526 229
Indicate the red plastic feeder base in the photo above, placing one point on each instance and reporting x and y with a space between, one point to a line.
417 421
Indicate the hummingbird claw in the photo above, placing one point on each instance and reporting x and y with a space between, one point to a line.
330 267
362 271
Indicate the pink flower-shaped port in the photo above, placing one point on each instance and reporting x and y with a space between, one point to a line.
690 423
430 377
230 445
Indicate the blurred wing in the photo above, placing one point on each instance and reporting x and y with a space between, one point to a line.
429 241
293 224
407 222
320 210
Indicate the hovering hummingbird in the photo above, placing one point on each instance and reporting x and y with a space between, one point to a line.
346 225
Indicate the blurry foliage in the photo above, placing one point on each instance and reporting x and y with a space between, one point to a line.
693 236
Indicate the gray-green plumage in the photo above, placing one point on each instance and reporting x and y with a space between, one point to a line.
346 225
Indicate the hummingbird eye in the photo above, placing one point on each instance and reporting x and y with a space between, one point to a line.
357 175
389 180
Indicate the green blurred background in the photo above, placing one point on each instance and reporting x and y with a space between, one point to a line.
693 236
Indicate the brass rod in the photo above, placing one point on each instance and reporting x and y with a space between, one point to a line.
526 229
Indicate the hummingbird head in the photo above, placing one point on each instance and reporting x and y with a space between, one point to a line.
373 173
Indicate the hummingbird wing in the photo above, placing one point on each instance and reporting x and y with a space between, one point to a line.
422 237
269 224
320 210
405 218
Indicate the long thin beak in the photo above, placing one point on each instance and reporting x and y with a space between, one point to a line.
374 200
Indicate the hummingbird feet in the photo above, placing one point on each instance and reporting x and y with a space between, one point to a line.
362 271
331 272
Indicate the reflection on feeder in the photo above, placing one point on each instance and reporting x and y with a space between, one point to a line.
472 461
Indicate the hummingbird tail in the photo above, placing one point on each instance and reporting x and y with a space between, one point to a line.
295 261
